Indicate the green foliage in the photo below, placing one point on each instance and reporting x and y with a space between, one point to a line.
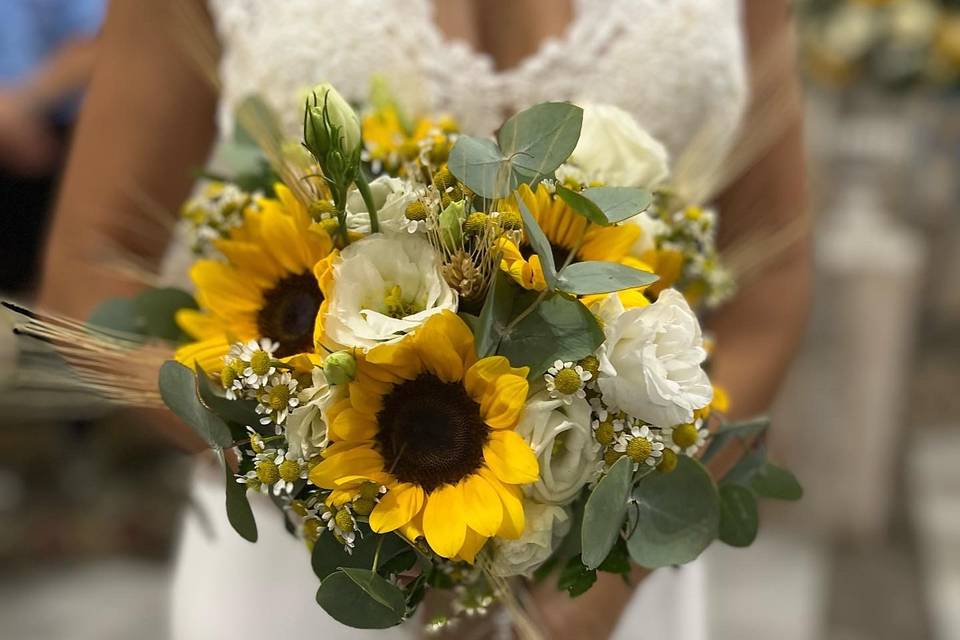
604 513
575 578
361 599
584 278
239 512
150 314
557 329
771 481
731 430
494 315
677 516
739 520
237 412
618 560
116 314
607 205
328 555
180 392
540 245
529 147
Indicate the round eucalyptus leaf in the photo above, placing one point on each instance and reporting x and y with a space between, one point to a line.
361 599
604 512
677 516
738 515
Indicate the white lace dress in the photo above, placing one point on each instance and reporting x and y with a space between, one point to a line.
675 64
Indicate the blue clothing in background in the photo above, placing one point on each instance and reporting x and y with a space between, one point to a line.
32 29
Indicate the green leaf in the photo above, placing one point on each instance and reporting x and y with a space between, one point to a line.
771 481
361 599
730 430
618 203
539 243
603 516
557 329
241 412
117 314
582 205
677 516
328 554
738 515
157 308
585 278
179 390
743 472
239 512
450 225
532 144
575 578
618 560
495 315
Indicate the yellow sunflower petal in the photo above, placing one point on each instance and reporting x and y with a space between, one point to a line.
482 506
472 543
366 395
351 424
197 324
207 353
502 402
413 529
511 458
285 241
399 358
220 288
397 507
445 346
484 373
444 525
609 243
326 473
514 520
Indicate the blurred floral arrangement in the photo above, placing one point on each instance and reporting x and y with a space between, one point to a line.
450 360
892 44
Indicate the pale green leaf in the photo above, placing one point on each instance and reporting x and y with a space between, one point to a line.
739 521
604 512
585 278
539 139
540 244
618 203
771 481
239 513
361 599
179 391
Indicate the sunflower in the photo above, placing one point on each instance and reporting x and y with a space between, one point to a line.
564 229
266 288
435 426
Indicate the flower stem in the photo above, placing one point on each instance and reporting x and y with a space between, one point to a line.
364 187
376 555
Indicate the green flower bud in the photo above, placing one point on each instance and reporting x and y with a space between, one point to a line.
330 125
451 221
340 367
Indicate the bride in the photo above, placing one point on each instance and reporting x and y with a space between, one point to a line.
679 66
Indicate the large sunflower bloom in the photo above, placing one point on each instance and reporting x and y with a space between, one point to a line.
434 425
265 289
564 228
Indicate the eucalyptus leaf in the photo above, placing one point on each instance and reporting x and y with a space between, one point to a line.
239 512
582 205
117 314
179 391
575 578
539 243
604 513
328 555
618 203
241 412
361 599
494 315
539 139
739 520
743 472
479 164
585 278
557 329
730 430
677 516
157 308
771 481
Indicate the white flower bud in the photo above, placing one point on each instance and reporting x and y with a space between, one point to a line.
340 367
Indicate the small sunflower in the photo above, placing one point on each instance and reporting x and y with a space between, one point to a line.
435 426
266 289
563 228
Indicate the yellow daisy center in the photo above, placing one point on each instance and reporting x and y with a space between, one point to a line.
289 313
260 363
344 520
363 506
610 456
604 433
267 472
416 211
311 529
668 462
567 381
639 449
430 432
289 470
227 375
510 220
591 365
685 435
278 397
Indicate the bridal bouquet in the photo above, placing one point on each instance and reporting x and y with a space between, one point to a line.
452 360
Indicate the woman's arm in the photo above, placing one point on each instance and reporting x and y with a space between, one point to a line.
146 125
758 331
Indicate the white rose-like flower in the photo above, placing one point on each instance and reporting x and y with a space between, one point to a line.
560 436
617 151
650 361
385 286
546 526
306 427
390 195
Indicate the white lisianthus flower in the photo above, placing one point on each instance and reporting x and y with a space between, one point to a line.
615 150
306 427
390 195
546 526
650 361
559 434
385 286
651 229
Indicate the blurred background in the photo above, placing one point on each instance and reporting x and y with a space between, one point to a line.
89 504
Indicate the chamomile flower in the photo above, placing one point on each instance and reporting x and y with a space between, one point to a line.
290 469
367 498
566 381
685 438
471 600
256 359
277 399
257 443
641 445
265 473
342 525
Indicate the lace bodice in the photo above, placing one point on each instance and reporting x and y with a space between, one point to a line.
674 64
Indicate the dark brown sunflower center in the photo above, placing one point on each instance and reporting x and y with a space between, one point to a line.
559 253
289 312
430 432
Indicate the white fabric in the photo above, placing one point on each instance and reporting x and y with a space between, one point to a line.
677 65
